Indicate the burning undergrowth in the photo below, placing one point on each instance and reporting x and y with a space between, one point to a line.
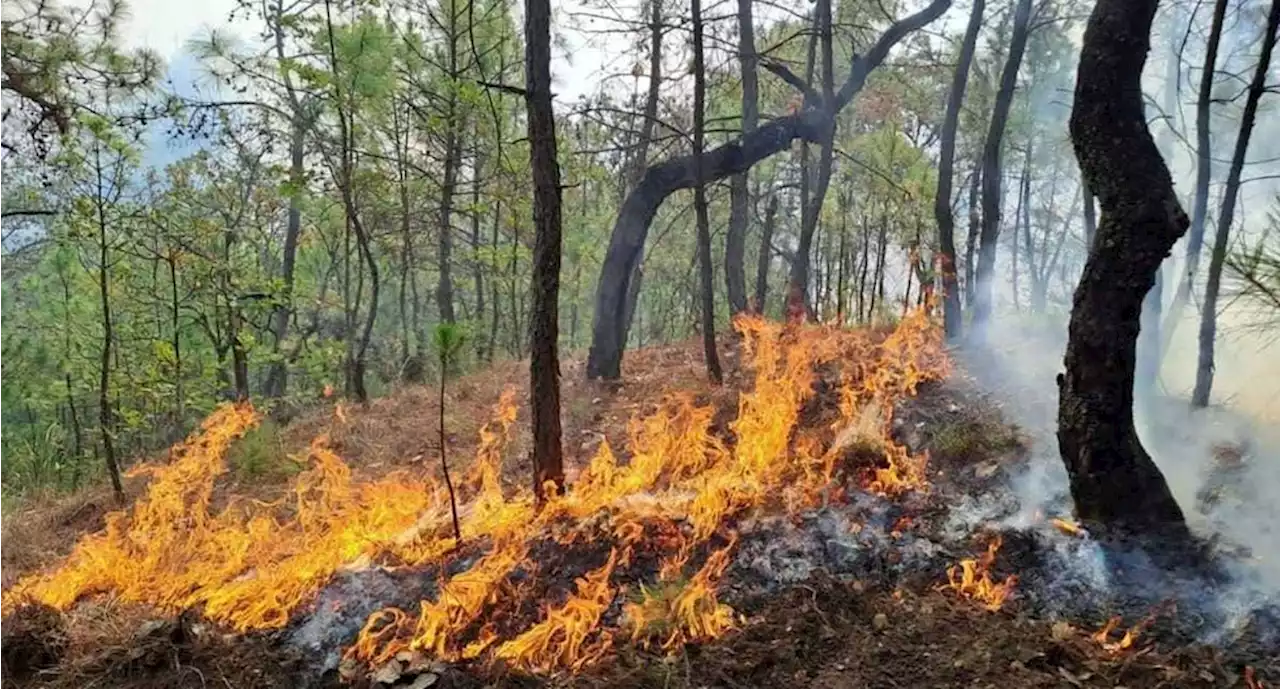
674 541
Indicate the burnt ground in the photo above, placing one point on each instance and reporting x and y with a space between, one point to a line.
866 615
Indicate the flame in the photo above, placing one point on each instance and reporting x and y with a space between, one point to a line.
1067 526
562 639
673 488
678 613
972 579
1251 682
1103 636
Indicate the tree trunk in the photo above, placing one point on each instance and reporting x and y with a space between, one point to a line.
106 412
971 242
811 213
991 174
1221 239
700 201
951 316
476 267
735 243
444 245
763 258
640 159
1114 482
1204 171
661 180
278 376
544 366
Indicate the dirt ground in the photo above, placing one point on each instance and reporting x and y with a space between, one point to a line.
825 634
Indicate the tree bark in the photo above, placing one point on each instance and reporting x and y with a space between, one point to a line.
971 242
765 255
1114 482
544 330
1221 240
1090 218
278 375
640 158
1204 171
661 180
991 175
106 412
705 271
735 243
951 317
811 213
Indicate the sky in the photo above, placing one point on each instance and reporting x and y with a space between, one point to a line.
166 26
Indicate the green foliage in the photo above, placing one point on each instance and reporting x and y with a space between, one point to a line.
973 440
260 454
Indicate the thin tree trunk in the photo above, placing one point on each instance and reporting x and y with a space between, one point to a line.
971 242
544 367
764 257
798 289
477 269
1222 238
735 243
106 413
493 283
1114 482
640 159
278 376
951 316
1204 172
991 173
705 269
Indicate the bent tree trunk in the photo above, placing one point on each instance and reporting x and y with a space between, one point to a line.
1114 482
663 179
951 316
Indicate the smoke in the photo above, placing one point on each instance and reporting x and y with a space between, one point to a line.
1222 465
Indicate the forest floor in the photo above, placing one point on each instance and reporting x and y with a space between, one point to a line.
827 632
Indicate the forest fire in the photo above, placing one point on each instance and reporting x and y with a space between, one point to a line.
253 567
972 579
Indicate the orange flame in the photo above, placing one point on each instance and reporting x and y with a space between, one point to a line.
250 566
1103 636
972 579
1067 526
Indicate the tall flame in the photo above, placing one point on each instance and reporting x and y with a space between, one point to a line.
251 566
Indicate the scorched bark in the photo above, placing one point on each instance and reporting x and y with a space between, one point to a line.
1114 482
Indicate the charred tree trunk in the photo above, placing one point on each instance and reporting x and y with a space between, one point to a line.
544 330
1204 171
1221 240
951 316
991 174
735 243
661 180
1114 482
763 258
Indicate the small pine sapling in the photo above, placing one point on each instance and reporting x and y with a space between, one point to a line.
448 339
